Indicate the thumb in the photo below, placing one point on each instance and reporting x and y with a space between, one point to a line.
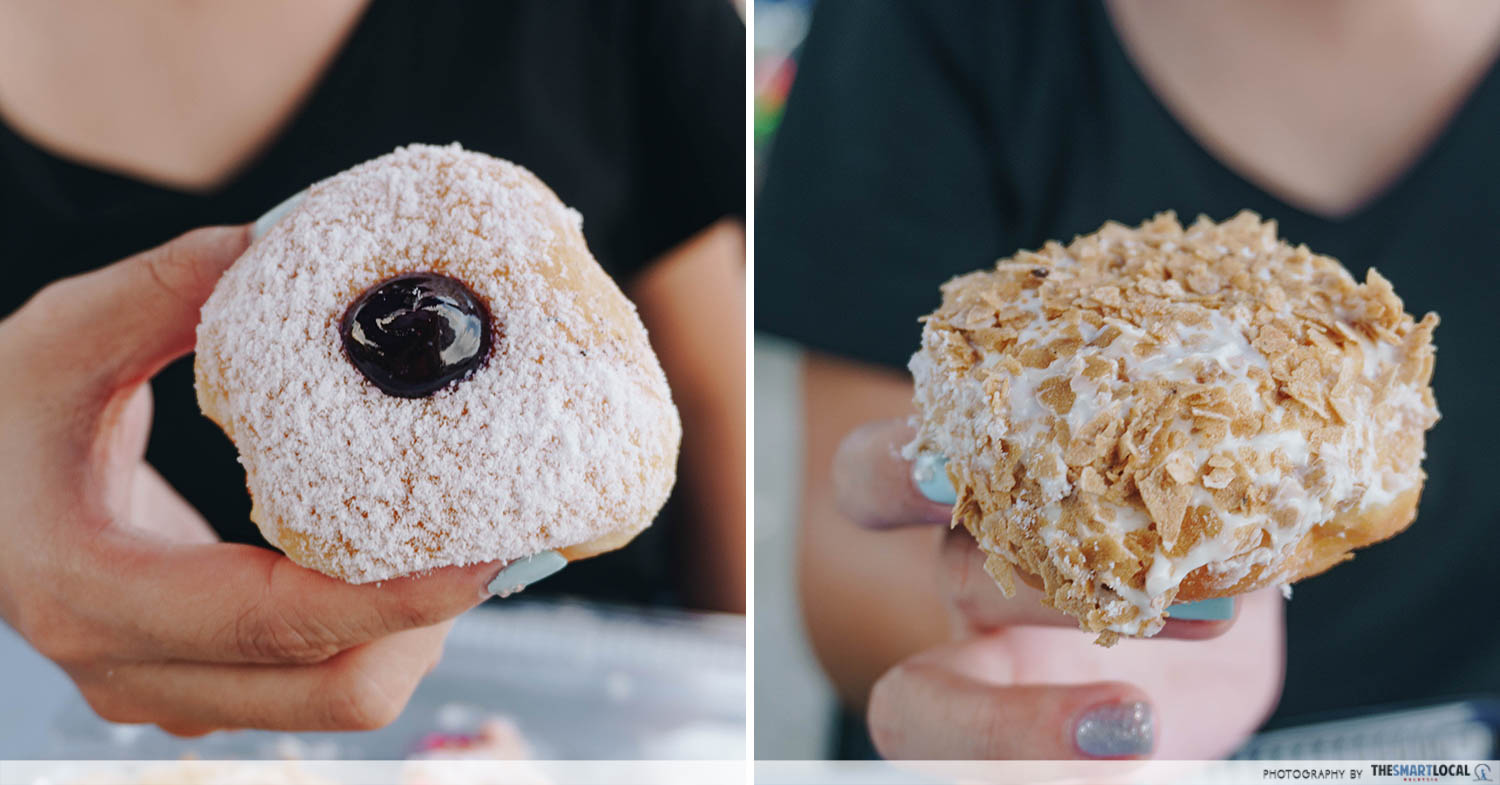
936 705
873 483
118 325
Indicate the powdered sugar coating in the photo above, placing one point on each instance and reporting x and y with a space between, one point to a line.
564 434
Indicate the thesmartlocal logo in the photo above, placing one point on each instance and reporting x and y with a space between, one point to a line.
1427 772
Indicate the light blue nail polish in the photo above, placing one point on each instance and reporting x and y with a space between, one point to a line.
264 223
930 474
1115 730
523 572
1216 609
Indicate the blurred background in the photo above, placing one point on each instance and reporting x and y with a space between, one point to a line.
935 138
795 707
551 679
633 112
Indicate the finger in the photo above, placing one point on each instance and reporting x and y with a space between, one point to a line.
158 510
932 707
362 689
976 601
979 606
1199 629
873 482
119 324
189 731
242 604
1208 696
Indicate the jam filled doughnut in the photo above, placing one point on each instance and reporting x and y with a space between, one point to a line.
1163 415
422 365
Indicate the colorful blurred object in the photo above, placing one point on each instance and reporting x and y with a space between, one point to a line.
780 26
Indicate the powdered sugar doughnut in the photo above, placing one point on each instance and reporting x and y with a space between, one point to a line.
1159 415
553 428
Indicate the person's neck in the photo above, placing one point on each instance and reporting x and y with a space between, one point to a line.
1327 21
178 93
1324 103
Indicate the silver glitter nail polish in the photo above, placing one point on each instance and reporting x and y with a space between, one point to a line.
1115 730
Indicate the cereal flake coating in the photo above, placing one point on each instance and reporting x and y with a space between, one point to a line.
1159 415
564 435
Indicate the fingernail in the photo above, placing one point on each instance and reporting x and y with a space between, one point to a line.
523 572
264 223
929 472
1216 609
1115 730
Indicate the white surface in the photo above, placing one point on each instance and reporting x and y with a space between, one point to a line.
33 691
324 772
578 680
794 704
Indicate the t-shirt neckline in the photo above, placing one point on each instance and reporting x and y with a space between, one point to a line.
46 161
1372 205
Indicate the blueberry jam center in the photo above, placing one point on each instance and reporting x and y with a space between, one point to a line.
414 334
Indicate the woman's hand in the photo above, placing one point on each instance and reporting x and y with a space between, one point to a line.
110 574
1021 681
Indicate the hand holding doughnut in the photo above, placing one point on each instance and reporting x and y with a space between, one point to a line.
1021 682
1142 418
109 573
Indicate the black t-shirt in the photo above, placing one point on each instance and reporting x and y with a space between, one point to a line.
632 112
922 140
